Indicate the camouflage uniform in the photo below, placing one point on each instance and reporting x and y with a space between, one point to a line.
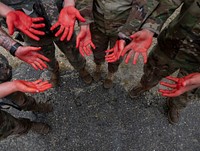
178 46
10 125
107 18
49 9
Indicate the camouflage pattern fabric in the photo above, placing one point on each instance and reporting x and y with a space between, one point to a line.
10 125
5 69
101 41
178 48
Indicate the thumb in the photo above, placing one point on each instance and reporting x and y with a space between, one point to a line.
33 48
10 25
79 17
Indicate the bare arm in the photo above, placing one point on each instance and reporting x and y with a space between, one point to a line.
4 9
69 3
7 88
5 40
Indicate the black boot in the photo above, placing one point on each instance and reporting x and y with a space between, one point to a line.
85 76
40 128
136 91
173 113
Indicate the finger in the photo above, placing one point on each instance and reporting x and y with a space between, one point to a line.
77 41
168 85
40 56
71 30
144 57
64 34
11 26
81 51
37 19
34 66
92 45
166 91
89 49
28 33
109 50
59 31
38 25
41 84
32 90
135 36
38 65
174 94
86 51
37 81
79 17
135 58
46 87
41 63
128 56
37 32
126 49
172 78
54 26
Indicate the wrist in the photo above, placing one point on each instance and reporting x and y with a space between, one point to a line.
69 3
126 39
14 48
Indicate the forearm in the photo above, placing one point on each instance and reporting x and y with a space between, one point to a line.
7 88
5 40
69 3
4 10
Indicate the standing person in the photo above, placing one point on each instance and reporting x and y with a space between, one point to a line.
49 10
10 125
106 22
13 92
178 48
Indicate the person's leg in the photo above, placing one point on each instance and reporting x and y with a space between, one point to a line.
101 42
157 67
74 57
176 104
10 125
112 67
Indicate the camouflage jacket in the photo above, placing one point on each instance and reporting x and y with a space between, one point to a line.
187 22
128 15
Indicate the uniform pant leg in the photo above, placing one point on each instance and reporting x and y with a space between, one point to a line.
10 125
113 67
71 52
158 66
101 42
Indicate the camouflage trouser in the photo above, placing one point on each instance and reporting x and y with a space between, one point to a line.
8 124
167 57
102 43
48 50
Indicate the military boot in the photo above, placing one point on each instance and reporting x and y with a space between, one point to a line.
136 91
40 128
85 76
55 77
97 73
173 113
41 107
108 82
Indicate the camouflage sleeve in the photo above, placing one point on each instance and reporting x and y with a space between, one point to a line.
165 9
86 9
139 12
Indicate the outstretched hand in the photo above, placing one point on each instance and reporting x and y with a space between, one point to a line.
141 42
30 55
32 87
26 24
114 53
84 41
66 21
181 85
